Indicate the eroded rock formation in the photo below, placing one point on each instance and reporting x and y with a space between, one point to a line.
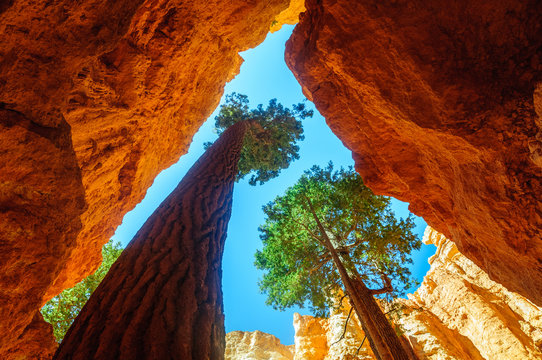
323 339
162 299
41 201
457 313
96 98
435 99
255 345
35 343
289 16
438 102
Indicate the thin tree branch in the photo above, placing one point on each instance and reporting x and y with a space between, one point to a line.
354 244
318 223
342 298
352 228
310 232
359 348
324 259
388 287
345 326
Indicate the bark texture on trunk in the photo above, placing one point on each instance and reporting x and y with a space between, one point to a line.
392 348
162 299
384 341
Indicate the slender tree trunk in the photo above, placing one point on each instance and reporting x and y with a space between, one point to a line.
383 328
384 339
367 333
162 299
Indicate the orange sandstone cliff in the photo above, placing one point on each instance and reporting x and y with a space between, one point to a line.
96 98
437 102
440 103
457 313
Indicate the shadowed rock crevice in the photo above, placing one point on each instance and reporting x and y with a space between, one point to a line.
41 202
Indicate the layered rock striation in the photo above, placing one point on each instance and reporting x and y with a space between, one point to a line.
437 102
96 98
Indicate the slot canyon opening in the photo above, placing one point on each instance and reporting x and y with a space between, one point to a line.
264 75
439 103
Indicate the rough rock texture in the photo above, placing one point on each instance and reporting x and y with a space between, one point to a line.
459 313
96 98
289 16
435 99
310 337
36 342
41 201
162 298
255 345
320 339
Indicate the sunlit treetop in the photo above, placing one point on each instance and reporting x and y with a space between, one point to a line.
374 246
270 144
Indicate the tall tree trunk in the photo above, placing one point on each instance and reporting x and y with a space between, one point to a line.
162 299
379 321
367 333
385 341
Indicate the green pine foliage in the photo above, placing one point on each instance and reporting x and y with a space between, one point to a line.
62 310
270 143
372 243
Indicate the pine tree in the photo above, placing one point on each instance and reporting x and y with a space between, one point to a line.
329 232
162 299
62 310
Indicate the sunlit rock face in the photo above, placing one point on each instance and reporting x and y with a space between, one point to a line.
96 98
289 16
326 339
315 339
459 313
310 337
255 345
437 102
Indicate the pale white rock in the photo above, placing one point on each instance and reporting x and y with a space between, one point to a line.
255 345
458 313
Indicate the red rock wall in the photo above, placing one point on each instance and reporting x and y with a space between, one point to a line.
41 202
435 99
96 98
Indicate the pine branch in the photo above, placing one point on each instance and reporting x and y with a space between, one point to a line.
316 237
359 348
345 326
387 288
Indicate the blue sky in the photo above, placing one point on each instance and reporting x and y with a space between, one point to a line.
264 75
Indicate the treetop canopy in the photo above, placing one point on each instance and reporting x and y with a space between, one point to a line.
372 242
271 143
